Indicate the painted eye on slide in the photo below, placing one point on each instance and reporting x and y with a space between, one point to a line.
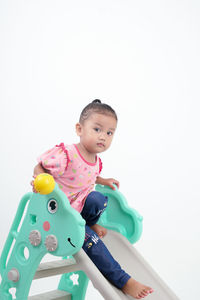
52 206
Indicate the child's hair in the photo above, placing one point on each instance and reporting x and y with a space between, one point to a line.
96 107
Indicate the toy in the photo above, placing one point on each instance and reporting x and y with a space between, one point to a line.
44 184
51 225
40 233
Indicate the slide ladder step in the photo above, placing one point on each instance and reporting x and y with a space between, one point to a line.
55 268
53 295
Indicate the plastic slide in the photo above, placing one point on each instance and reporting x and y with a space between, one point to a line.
134 264
46 223
126 225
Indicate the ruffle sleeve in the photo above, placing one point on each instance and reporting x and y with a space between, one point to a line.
100 165
55 160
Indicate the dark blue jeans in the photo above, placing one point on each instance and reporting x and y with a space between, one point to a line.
95 205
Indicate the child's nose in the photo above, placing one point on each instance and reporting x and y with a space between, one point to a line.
102 136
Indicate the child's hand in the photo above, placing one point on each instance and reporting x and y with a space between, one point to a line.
110 181
32 183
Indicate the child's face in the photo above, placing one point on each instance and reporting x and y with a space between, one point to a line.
96 133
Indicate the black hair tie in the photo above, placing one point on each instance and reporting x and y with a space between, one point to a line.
96 101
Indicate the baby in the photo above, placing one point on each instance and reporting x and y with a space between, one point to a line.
77 168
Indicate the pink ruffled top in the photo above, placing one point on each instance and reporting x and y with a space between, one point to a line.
75 176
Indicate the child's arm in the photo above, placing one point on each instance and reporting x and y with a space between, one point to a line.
107 181
38 170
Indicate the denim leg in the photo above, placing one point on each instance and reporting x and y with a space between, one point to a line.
94 206
101 257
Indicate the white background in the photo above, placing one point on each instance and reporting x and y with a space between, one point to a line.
142 58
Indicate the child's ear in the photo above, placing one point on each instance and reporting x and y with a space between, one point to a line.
78 129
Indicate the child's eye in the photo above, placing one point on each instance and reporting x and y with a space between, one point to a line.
97 129
109 133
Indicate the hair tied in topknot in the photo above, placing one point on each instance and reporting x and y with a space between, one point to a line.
96 106
96 101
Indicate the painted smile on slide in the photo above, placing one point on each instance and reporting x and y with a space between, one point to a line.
69 240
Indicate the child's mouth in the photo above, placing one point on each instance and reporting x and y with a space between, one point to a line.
100 145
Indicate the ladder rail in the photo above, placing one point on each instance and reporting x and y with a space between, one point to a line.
13 232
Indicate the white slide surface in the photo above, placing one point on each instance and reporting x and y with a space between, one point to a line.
135 265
